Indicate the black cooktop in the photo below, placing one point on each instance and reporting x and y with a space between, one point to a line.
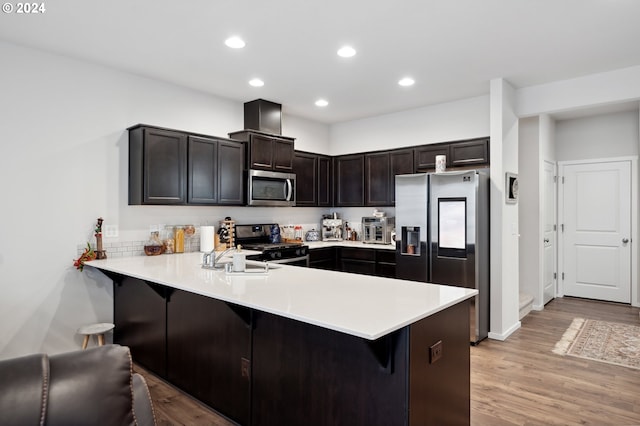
267 246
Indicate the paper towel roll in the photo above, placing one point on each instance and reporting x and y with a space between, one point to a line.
206 238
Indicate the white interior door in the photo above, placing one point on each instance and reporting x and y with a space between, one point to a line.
597 230
549 227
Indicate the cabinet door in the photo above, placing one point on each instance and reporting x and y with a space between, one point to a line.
305 166
230 172
203 159
323 258
425 157
358 260
378 179
209 352
386 263
164 167
282 155
401 162
260 152
349 180
470 153
139 314
325 181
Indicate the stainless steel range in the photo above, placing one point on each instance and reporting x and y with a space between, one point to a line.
258 238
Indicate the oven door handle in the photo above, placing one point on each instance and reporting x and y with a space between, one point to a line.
290 260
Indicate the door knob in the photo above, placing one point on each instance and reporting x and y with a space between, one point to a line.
625 240
546 240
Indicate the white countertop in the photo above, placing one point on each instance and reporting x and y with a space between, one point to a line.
359 305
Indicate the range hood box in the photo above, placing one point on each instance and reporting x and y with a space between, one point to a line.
263 116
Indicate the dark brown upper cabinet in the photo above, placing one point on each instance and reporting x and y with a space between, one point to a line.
266 151
157 166
230 172
377 179
305 167
203 159
349 180
401 162
215 171
313 179
325 181
172 167
425 156
469 153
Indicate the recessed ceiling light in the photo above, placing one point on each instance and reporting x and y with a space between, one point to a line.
407 81
321 103
235 42
256 82
346 51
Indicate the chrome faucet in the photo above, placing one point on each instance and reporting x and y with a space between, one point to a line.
211 262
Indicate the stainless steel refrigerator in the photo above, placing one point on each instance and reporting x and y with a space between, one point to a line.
442 235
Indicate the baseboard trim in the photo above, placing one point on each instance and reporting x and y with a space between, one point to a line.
506 334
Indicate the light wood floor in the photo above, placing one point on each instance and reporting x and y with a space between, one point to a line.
516 382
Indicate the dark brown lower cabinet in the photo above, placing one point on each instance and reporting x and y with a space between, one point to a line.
357 266
367 261
209 352
386 263
323 258
139 313
258 368
304 374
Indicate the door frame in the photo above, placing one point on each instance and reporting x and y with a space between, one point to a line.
634 221
556 232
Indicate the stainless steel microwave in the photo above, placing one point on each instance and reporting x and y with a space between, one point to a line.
271 188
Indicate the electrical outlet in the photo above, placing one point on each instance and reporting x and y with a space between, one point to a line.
111 231
245 368
435 352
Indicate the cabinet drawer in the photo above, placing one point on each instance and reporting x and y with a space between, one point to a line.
358 253
364 267
386 256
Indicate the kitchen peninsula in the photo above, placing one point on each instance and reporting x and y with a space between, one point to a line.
297 345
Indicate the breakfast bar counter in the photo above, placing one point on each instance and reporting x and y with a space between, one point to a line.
297 345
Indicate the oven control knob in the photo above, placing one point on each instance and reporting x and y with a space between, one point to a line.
275 255
298 252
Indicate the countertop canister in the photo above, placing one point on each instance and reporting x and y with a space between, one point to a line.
441 163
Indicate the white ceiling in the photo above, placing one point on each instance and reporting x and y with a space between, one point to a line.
452 48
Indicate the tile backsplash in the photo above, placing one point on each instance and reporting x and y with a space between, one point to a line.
132 243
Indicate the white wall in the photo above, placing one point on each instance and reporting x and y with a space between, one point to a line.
548 138
600 136
579 93
529 207
310 136
464 119
603 136
504 298
63 163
